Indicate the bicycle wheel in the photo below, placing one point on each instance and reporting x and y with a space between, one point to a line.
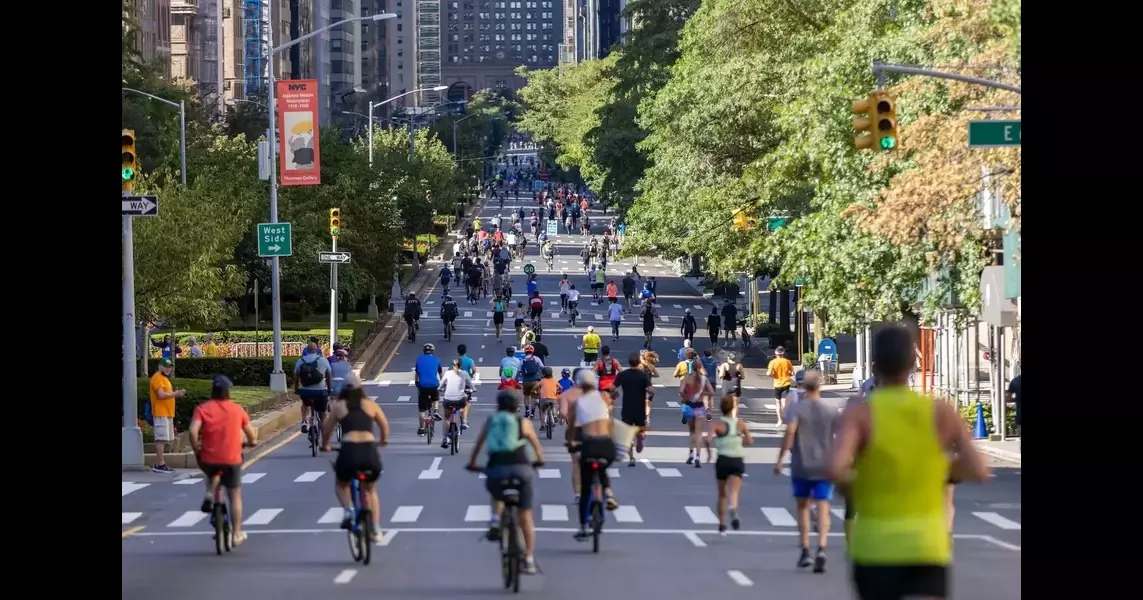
429 431
227 534
218 518
365 535
453 434
353 534
510 558
548 422
596 524
314 437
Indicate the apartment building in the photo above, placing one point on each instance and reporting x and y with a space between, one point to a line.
485 40
232 51
153 36
591 28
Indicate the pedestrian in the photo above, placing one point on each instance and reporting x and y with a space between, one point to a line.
211 348
729 435
1014 397
729 322
628 285
683 350
710 366
782 370
615 310
810 428
901 546
195 349
688 328
712 325
163 397
648 317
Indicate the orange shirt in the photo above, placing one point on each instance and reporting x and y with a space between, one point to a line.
161 407
549 388
222 424
612 291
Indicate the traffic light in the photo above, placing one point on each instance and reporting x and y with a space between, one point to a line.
130 160
739 221
886 121
864 125
335 222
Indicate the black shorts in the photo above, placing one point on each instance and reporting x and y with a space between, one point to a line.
884 582
779 392
498 318
231 475
455 404
498 476
729 466
315 399
536 312
358 457
628 295
635 420
728 325
426 396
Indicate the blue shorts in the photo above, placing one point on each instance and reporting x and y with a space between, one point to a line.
816 490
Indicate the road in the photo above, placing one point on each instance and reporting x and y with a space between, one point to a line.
434 511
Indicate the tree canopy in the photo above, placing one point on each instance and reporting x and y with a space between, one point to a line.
721 106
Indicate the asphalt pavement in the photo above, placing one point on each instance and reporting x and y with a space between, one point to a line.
434 511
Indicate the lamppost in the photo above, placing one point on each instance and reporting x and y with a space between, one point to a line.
372 105
278 376
182 129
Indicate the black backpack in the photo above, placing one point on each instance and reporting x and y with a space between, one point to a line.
530 367
310 374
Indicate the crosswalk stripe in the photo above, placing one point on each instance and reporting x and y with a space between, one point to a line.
598 317
779 517
625 514
404 398
406 514
129 487
553 512
664 318
672 404
698 306
308 476
677 305
333 515
129 517
701 515
556 314
838 512
412 383
478 513
613 473
549 473
262 516
997 520
668 472
252 477
188 519
189 481
468 313
487 313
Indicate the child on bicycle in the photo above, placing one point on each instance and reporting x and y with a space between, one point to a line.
549 392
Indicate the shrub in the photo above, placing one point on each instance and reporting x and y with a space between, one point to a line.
241 371
265 335
198 391
968 413
809 359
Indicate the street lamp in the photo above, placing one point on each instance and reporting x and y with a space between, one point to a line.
182 129
278 376
373 105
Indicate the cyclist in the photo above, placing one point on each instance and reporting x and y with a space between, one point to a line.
536 307
222 425
518 318
521 245
412 316
339 369
565 285
504 435
449 311
509 370
549 392
499 306
428 372
533 285
473 280
589 433
565 381
468 366
312 383
358 453
590 346
531 370
527 336
573 304
445 275
456 388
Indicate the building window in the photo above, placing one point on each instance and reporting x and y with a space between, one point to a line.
335 45
398 27
501 84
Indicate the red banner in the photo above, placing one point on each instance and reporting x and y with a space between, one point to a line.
300 162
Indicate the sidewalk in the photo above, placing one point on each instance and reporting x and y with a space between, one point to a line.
1008 450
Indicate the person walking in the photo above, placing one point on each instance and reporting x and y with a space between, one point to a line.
713 323
615 313
689 327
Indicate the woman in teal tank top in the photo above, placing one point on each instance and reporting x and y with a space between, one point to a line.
729 435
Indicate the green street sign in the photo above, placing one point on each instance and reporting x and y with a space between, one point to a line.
800 282
993 134
275 239
529 269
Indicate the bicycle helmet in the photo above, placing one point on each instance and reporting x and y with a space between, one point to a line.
547 372
566 373
429 348
529 349
448 297
412 296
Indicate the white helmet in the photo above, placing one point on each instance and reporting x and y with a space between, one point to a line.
590 329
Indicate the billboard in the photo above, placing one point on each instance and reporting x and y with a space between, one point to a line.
299 152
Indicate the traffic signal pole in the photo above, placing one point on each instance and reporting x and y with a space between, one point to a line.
333 297
132 439
880 69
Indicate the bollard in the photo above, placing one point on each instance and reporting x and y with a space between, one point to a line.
979 431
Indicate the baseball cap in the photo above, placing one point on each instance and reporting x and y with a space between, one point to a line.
731 357
164 362
221 382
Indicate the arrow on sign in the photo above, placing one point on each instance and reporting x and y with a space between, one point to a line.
140 206
274 248
334 257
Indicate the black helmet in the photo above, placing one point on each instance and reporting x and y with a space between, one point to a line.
566 373
429 348
547 372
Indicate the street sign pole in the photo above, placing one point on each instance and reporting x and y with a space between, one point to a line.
132 437
333 299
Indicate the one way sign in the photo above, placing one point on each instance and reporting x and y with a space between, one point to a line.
140 206
340 258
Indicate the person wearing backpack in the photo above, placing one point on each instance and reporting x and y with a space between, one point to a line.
531 369
731 374
499 308
606 368
313 383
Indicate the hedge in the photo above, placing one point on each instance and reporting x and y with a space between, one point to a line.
198 391
241 371
265 335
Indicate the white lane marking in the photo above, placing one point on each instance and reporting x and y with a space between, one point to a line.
412 383
779 517
129 487
479 513
428 302
436 464
553 512
997 520
262 516
433 472
188 519
404 398
695 539
613 473
700 515
129 517
308 476
669 472
387 537
333 515
625 514
487 314
740 578
345 576
554 302
698 306
189 481
549 473
406 514
468 313
664 318
599 317
838 512
252 477
556 315
671 404
384 383
677 305
481 360
647 463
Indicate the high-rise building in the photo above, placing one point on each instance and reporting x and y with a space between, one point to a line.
186 49
609 29
374 59
232 51
344 54
485 40
400 34
152 38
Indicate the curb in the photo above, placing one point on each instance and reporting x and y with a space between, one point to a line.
267 427
998 453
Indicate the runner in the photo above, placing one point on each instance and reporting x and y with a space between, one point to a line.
694 389
729 434
782 370
499 307
634 391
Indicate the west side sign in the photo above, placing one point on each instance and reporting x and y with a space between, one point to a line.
299 151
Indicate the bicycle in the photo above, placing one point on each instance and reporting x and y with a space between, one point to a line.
411 325
429 426
550 417
573 312
550 260
538 328
314 433
448 329
595 503
454 427
512 554
220 516
360 530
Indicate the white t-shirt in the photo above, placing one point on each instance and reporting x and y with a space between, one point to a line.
564 286
510 239
615 311
590 408
573 295
453 385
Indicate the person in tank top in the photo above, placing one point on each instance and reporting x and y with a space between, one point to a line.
729 435
359 451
